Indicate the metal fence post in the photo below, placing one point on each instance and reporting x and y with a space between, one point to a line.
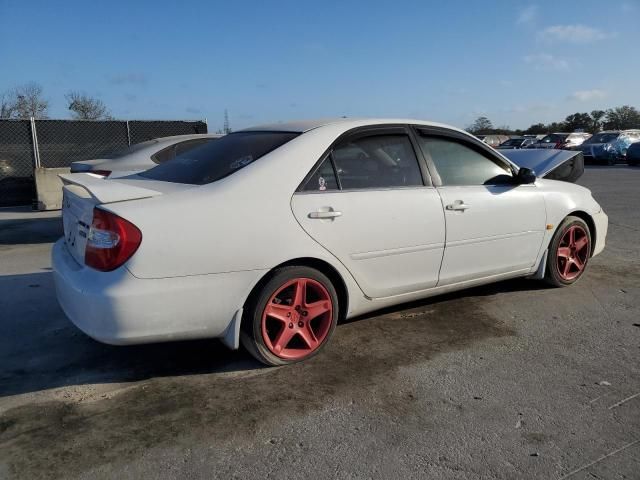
128 134
34 139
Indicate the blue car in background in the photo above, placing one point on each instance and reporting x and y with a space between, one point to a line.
608 147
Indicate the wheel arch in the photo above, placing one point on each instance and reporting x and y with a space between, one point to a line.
321 265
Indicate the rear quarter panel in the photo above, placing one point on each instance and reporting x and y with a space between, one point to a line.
242 222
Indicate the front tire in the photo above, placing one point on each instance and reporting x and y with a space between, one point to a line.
569 252
291 318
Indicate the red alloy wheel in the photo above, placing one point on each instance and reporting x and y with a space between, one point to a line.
297 318
573 252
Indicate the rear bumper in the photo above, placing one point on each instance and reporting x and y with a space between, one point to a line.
601 222
120 309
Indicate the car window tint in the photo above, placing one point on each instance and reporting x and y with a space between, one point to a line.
216 160
459 164
164 155
323 179
377 161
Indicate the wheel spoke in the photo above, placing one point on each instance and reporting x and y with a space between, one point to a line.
278 311
300 296
564 252
578 262
308 336
581 243
572 236
567 268
283 339
316 309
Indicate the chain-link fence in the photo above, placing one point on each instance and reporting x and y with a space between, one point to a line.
16 162
27 144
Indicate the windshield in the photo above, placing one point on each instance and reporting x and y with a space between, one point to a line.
602 138
216 160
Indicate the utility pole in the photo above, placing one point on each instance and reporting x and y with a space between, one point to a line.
226 128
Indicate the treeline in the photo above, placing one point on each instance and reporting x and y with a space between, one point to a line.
619 118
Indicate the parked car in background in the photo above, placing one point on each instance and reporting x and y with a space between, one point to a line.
576 138
552 140
142 156
495 140
608 147
633 154
516 143
252 237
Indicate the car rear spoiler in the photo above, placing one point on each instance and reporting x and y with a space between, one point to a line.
566 165
107 191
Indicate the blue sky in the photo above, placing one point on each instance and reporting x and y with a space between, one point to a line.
516 62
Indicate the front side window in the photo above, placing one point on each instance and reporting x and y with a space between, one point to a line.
458 164
218 159
377 161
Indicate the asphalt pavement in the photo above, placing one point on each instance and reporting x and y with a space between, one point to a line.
512 380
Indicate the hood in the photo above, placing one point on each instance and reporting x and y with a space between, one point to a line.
567 165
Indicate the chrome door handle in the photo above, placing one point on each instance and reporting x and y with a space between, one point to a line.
458 205
325 213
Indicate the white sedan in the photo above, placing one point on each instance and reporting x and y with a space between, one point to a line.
273 234
142 156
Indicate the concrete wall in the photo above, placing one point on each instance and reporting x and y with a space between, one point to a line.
49 188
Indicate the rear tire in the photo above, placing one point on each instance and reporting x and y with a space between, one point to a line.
291 318
569 252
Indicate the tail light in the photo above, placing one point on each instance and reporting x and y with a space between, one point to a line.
559 144
112 241
102 173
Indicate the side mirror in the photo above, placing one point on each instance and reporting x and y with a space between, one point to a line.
525 176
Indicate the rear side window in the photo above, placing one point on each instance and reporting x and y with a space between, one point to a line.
377 161
458 164
220 158
323 179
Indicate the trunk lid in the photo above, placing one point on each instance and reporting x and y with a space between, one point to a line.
566 165
83 191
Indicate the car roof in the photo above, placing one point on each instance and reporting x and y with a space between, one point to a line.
302 126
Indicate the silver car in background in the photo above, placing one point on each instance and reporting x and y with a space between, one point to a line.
142 156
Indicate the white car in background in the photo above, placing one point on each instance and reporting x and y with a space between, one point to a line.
272 234
143 156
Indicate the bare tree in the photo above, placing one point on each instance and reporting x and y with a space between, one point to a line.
84 107
7 105
24 101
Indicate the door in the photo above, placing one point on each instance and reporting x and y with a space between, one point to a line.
493 225
369 205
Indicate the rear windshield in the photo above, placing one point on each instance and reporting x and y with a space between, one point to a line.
216 160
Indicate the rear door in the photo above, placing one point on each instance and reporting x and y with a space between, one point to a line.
370 203
493 225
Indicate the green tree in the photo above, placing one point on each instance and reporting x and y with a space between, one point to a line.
622 118
578 121
596 120
481 125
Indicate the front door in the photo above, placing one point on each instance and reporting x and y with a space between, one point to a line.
494 226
